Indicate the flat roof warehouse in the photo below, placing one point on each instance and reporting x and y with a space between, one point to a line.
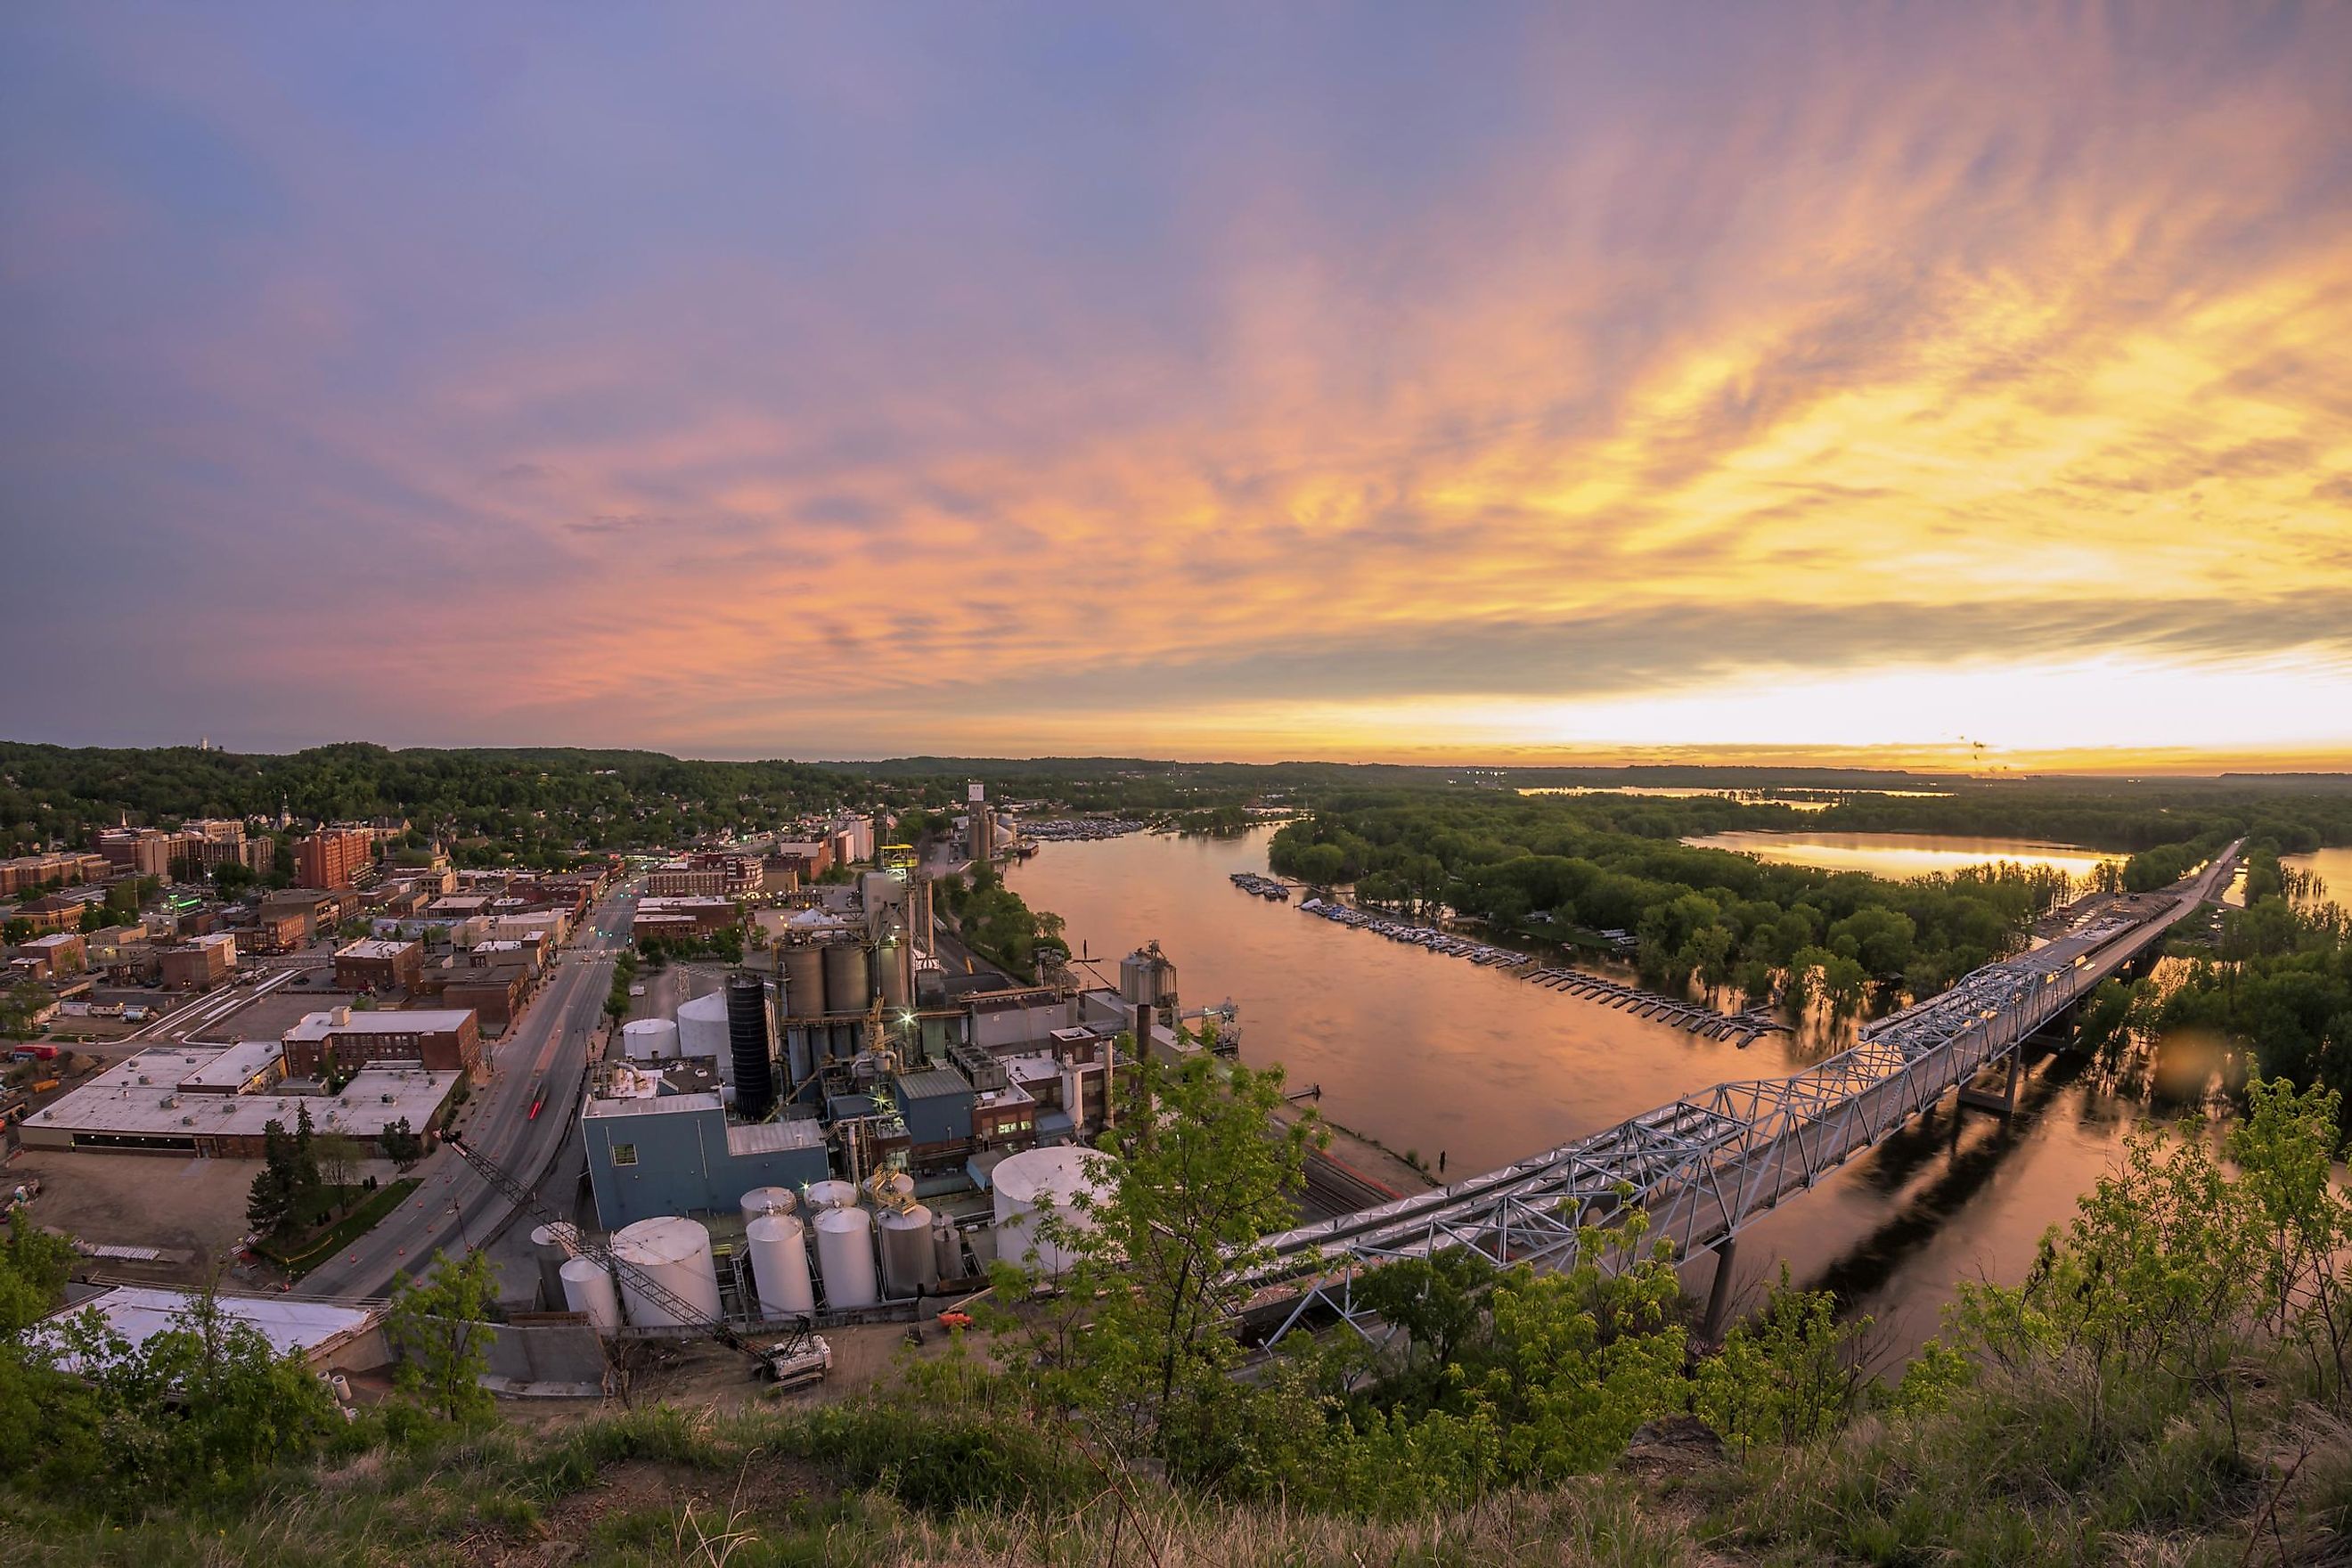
174 1100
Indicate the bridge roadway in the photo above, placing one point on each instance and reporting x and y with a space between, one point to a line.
1709 1165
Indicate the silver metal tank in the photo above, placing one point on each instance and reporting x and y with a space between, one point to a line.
947 1247
650 1039
780 1266
803 982
848 978
908 1264
547 1247
895 958
831 1194
675 1251
768 1200
588 1288
845 1256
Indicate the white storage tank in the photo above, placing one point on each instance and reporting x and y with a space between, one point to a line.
908 1264
649 1040
702 1032
947 1247
1040 1179
548 1243
676 1252
780 1265
768 1200
845 1256
831 1196
588 1288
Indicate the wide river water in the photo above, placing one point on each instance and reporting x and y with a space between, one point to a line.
1438 1055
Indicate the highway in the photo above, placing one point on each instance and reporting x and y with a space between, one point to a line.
454 1208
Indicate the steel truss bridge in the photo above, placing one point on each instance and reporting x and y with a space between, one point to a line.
1707 1166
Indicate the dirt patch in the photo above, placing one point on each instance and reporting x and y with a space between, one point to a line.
193 1210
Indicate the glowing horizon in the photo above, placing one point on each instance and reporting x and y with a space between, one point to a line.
1956 388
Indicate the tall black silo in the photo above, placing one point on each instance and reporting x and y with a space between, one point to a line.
747 1046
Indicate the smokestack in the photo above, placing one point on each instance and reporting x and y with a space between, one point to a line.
984 829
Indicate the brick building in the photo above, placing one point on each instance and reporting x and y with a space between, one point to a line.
444 1040
374 964
334 857
201 964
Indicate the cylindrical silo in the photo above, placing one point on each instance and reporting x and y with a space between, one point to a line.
748 1046
702 1031
908 1264
845 1256
588 1288
547 1244
676 1253
894 960
1040 1180
848 978
831 1194
768 1200
947 1247
650 1040
780 1266
803 982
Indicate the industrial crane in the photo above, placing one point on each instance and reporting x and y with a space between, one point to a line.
803 1357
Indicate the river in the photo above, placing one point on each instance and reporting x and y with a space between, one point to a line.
1436 1055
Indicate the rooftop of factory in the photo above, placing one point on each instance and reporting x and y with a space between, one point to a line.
138 1312
604 1106
932 1083
143 1094
230 1070
774 1137
373 947
372 1021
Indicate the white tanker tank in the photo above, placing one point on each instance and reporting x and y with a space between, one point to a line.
780 1265
702 1032
649 1040
947 1247
908 1262
676 1253
588 1288
831 1194
1039 1181
845 1256
768 1200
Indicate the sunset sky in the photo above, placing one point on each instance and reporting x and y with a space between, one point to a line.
1630 382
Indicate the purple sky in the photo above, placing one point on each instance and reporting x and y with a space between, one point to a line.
1355 380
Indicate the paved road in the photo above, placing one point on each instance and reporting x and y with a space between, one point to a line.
454 1208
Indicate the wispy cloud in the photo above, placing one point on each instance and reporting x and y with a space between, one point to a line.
764 387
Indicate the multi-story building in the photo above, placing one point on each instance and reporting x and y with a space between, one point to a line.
201 964
684 880
332 857
280 930
375 964
57 954
142 851
443 1041
51 911
65 869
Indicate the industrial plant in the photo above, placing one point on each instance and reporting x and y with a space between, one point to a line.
852 1121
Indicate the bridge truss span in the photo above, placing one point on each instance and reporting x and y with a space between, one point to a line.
1706 1166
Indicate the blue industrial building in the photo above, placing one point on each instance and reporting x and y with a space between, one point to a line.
677 1153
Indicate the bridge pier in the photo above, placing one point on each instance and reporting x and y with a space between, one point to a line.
2004 1103
1718 1295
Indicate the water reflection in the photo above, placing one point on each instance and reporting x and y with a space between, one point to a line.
1899 856
1429 1053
